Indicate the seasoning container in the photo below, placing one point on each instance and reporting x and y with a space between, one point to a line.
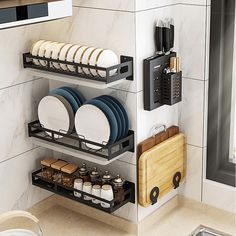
47 171
84 173
118 187
78 185
94 176
57 175
68 175
106 178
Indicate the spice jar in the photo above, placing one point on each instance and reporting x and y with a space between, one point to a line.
84 173
47 171
106 178
118 187
57 175
68 175
94 175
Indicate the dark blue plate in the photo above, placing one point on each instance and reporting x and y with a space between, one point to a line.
68 89
123 111
110 116
116 113
67 95
79 95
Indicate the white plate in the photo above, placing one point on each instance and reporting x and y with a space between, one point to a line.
55 113
55 54
93 125
63 55
49 48
35 50
42 50
86 58
93 61
79 56
71 56
106 59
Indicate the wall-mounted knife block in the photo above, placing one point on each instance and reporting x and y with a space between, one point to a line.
160 88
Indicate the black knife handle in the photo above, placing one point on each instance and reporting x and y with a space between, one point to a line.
159 39
166 39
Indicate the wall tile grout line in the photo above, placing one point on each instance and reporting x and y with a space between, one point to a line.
11 158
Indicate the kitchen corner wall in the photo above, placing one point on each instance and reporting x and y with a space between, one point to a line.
127 27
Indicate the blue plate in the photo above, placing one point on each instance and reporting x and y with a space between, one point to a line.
116 113
123 111
67 96
68 89
79 95
110 116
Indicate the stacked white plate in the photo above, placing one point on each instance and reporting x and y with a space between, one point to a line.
57 110
74 53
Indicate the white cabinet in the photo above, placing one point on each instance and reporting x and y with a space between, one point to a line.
16 13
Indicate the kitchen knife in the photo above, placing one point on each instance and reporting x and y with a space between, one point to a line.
159 37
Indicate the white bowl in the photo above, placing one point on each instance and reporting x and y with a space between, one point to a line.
79 56
71 56
42 50
55 54
107 58
86 58
49 48
35 50
63 54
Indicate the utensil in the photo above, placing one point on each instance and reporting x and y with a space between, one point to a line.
159 37
92 124
55 113
166 36
172 34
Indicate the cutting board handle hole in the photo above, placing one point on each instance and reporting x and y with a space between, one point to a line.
177 179
154 195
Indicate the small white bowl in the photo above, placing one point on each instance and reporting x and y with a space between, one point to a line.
79 56
71 56
63 54
35 50
106 58
42 50
86 58
49 48
55 54
93 61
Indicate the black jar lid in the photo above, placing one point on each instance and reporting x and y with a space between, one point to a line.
106 176
118 181
83 169
94 172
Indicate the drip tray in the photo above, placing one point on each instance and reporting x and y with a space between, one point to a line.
205 231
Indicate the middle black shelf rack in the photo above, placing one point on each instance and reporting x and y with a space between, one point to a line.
73 145
124 71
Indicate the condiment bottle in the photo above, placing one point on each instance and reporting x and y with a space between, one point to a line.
84 173
57 175
118 187
47 170
94 175
68 175
106 178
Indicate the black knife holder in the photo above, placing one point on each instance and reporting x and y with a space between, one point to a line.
160 88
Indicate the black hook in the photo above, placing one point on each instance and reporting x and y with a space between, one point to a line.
154 195
177 179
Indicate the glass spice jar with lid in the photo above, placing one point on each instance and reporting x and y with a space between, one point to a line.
94 176
57 175
68 175
106 178
83 173
118 187
47 170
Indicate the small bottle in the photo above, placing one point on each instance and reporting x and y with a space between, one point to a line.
84 173
106 178
118 187
94 176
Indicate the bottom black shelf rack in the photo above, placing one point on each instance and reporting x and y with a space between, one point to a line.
39 181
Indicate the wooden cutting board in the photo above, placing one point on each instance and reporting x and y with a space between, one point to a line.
161 168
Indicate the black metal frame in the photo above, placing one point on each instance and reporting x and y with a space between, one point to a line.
159 88
124 69
219 167
72 140
39 181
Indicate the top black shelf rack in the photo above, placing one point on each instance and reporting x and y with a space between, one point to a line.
124 69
